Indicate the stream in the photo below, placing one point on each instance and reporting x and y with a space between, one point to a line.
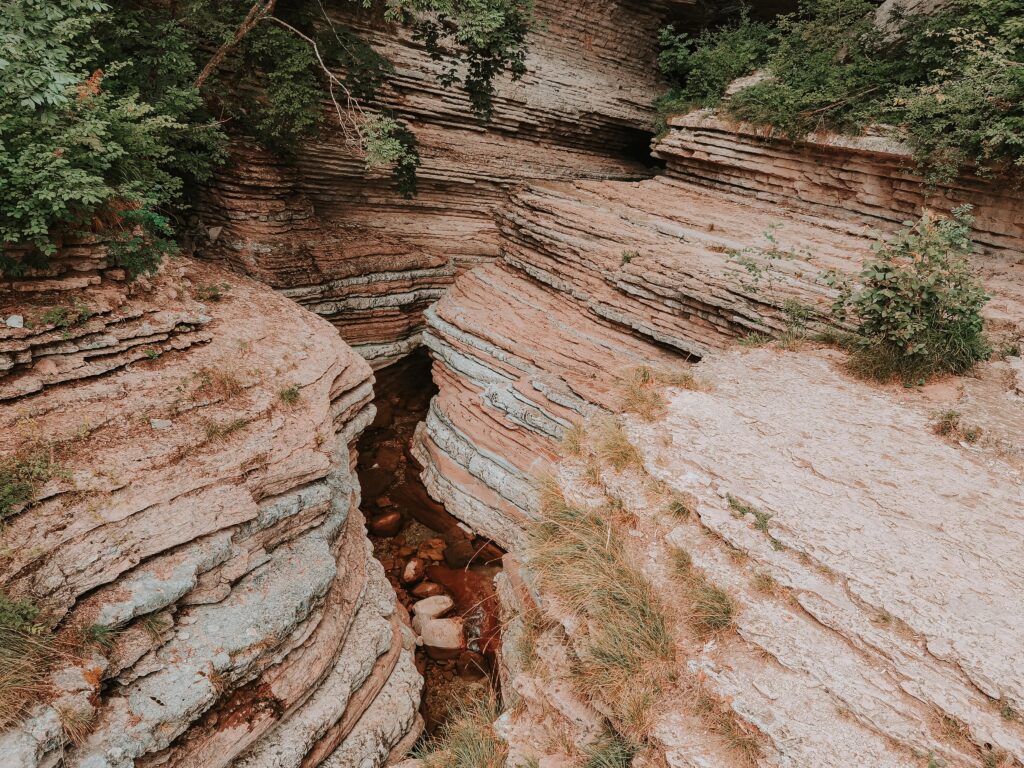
424 550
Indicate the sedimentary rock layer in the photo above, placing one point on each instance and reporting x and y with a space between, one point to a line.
597 278
196 543
344 243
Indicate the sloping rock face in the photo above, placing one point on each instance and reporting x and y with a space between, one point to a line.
862 508
196 545
346 245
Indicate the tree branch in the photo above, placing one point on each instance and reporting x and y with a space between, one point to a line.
256 14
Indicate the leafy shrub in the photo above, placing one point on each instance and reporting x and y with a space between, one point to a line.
702 67
107 111
952 83
918 304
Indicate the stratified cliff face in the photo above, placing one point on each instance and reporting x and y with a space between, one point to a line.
197 544
347 246
835 511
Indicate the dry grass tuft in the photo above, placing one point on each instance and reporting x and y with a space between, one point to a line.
722 720
710 609
614 447
216 384
467 740
76 723
950 424
681 505
220 430
27 651
764 582
640 393
627 651
640 390
574 440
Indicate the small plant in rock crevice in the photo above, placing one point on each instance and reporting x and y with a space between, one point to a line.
710 608
917 305
610 751
22 474
26 653
640 390
949 424
290 395
626 654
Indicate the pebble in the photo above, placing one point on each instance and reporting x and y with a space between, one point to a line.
414 571
385 525
15 321
160 424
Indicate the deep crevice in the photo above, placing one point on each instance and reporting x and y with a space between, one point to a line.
414 536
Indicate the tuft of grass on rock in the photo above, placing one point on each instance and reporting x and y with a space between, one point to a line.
610 751
625 655
290 395
26 653
614 447
710 609
681 505
950 424
220 430
22 474
574 440
722 720
467 740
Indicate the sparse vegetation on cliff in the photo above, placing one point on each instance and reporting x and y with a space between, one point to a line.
952 82
112 112
467 740
625 656
25 653
917 305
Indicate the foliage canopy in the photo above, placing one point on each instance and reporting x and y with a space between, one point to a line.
111 113
950 83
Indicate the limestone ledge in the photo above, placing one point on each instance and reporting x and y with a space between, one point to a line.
213 526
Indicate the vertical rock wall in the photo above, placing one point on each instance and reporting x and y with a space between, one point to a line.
207 591
344 243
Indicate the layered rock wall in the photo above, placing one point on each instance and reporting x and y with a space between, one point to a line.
599 278
194 543
343 242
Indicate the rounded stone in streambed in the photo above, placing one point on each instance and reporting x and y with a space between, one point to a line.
443 638
414 571
388 524
427 589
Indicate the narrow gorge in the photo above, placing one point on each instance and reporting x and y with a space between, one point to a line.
564 460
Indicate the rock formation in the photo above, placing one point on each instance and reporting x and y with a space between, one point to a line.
828 508
347 246
197 533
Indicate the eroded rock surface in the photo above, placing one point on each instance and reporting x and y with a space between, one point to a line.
875 587
346 245
203 524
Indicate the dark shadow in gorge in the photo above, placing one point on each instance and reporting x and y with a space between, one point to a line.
423 549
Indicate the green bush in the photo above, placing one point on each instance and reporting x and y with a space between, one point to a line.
106 127
917 307
950 83
702 67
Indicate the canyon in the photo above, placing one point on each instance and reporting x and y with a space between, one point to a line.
242 457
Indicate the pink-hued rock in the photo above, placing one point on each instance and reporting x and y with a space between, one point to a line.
899 546
443 638
226 549
344 243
